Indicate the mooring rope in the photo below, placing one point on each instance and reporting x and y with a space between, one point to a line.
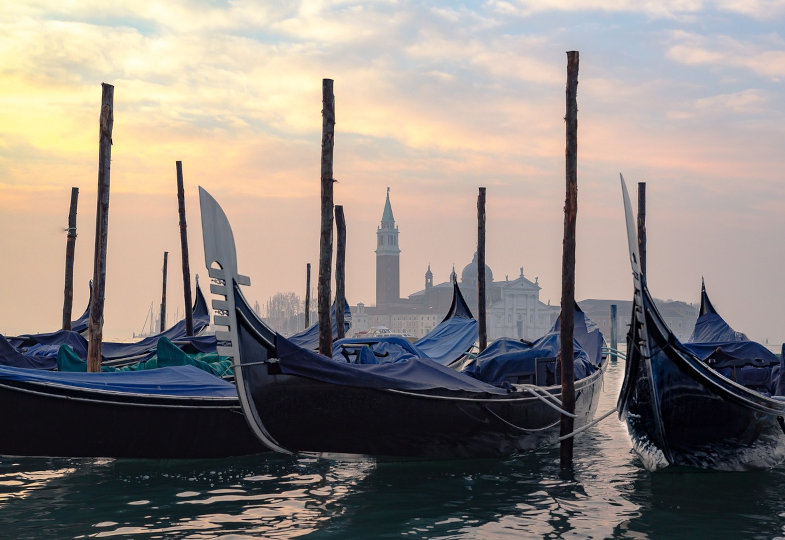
615 352
527 430
587 426
554 404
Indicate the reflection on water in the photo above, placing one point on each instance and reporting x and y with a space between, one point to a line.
609 494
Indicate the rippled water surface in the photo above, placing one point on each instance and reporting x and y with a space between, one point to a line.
609 494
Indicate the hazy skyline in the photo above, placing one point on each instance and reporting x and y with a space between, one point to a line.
431 100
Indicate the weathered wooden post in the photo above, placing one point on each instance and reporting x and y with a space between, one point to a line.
326 239
70 247
307 295
642 225
614 338
481 320
95 326
189 308
568 262
340 270
163 295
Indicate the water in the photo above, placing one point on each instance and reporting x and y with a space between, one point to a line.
608 495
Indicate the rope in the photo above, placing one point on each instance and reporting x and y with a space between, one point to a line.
615 352
544 393
527 430
551 404
587 426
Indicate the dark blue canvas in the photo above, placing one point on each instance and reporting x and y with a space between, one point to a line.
9 356
407 374
449 340
181 381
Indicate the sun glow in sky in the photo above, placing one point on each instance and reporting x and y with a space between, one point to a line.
433 100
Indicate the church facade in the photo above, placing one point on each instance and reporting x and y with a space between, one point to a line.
513 307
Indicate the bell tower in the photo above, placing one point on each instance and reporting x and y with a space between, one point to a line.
388 268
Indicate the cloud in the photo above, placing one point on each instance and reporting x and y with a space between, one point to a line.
668 9
746 101
762 55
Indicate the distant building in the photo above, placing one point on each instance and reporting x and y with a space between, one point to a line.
388 255
513 307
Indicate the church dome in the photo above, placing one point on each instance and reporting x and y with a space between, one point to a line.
469 274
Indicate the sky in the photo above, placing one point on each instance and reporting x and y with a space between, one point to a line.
433 100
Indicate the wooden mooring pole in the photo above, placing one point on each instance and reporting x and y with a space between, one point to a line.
481 319
70 248
326 238
189 309
614 338
642 225
307 295
96 323
568 263
340 270
163 295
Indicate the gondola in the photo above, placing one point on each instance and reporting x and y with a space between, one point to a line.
176 412
680 410
297 401
171 412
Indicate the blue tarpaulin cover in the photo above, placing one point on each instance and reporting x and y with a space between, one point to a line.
407 374
9 356
375 350
730 352
449 340
712 327
181 381
506 357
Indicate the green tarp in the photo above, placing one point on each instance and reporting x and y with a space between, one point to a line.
167 354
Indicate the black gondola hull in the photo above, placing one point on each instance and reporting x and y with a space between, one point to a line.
680 411
310 416
59 421
677 415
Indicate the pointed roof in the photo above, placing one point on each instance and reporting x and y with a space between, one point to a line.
387 215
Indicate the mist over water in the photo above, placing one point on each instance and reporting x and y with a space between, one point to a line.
609 494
